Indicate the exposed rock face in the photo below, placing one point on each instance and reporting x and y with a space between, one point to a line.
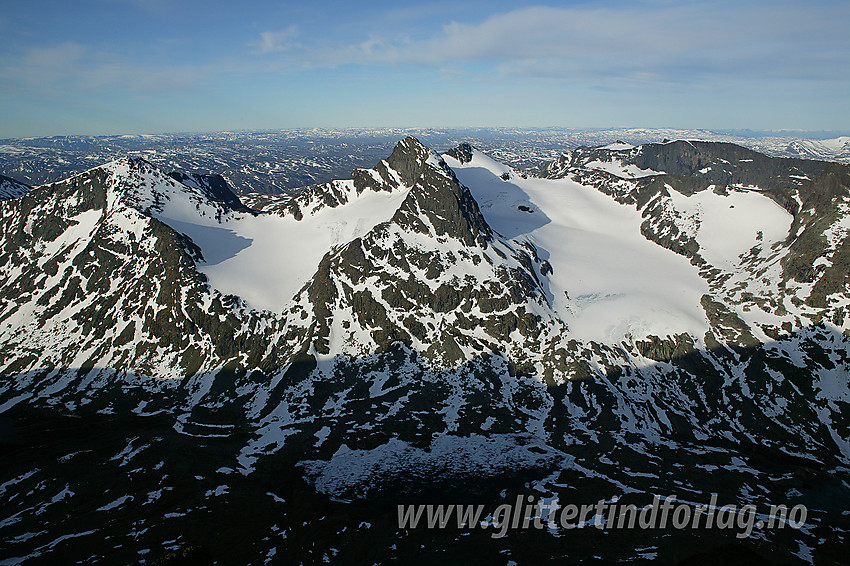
438 205
722 164
93 281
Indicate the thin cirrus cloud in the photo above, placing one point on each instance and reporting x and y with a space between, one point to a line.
653 42
759 63
275 41
52 71
684 42
37 67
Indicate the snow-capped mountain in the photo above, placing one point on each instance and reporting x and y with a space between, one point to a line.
437 324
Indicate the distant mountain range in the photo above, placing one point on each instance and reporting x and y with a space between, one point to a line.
188 374
282 160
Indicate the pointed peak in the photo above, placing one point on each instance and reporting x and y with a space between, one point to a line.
123 164
410 163
136 160
408 143
131 160
412 160
408 150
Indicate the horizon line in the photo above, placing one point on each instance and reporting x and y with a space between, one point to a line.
780 132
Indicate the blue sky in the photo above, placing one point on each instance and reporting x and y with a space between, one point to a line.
150 66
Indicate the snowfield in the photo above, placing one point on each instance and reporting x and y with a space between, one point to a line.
265 259
607 280
281 254
728 226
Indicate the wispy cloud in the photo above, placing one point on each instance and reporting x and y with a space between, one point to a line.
651 41
777 63
53 70
273 41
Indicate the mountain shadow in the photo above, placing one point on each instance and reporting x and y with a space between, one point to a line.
130 470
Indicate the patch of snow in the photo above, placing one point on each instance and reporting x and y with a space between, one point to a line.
618 146
728 226
355 473
624 171
117 503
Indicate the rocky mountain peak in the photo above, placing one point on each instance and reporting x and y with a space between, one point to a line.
437 204
412 160
408 149
130 162
405 167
